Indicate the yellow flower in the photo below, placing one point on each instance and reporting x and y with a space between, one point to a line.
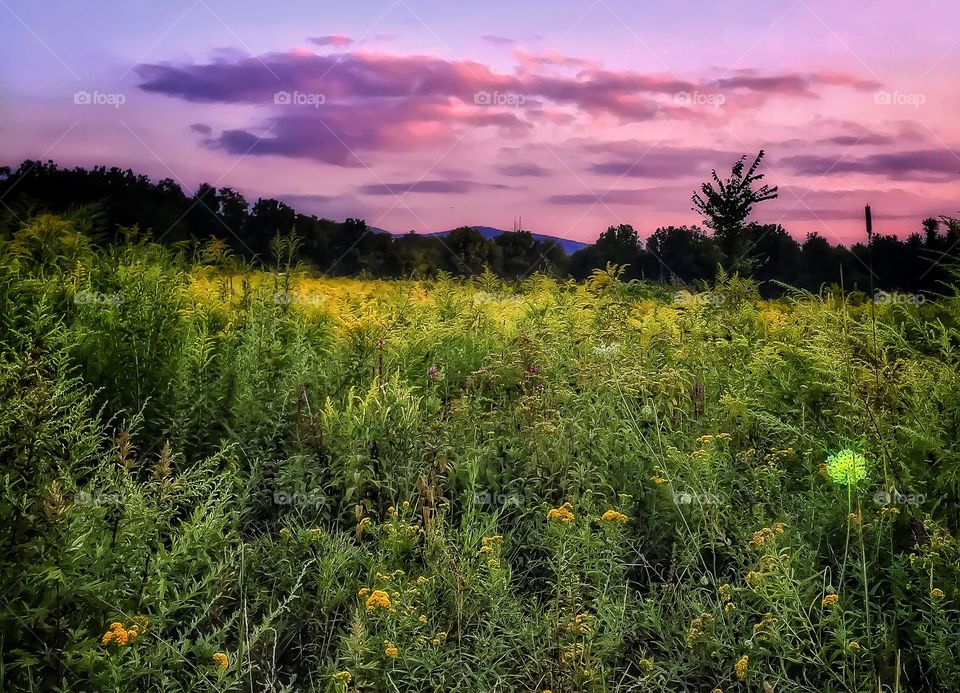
725 592
343 677
658 480
284 532
765 623
221 659
390 650
485 549
423 618
830 600
378 598
741 667
936 593
118 634
363 591
613 516
717 690
729 607
646 665
854 646
563 513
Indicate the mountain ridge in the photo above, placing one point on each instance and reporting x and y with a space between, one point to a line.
569 246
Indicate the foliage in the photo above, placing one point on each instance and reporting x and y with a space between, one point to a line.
217 478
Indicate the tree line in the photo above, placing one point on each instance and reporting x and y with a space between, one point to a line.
114 200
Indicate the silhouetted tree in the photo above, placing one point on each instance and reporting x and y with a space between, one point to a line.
725 205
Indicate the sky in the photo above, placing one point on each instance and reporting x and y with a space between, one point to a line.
570 114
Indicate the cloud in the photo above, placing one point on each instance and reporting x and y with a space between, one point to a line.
419 186
792 83
618 197
521 170
335 40
495 40
638 160
201 128
344 134
336 107
921 164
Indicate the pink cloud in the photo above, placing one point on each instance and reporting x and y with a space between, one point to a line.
335 40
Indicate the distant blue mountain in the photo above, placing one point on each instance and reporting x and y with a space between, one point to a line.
488 232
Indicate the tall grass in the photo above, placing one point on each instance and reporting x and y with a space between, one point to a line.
233 462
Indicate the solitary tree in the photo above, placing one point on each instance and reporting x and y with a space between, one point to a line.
725 206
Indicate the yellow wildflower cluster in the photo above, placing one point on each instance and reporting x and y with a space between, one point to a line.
765 624
741 667
658 480
854 646
580 624
378 599
562 514
697 627
776 456
647 665
936 594
725 592
488 544
221 660
439 638
342 677
121 636
571 654
614 516
830 600
390 650
762 536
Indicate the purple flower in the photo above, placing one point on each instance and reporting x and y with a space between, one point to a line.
432 372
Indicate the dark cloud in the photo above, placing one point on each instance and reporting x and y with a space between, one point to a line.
332 108
617 197
419 186
335 40
637 160
201 128
522 170
923 164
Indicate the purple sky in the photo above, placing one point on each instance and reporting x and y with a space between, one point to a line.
574 115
